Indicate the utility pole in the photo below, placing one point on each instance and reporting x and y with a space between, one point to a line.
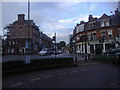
28 26
27 57
55 47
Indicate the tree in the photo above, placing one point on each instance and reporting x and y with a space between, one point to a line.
61 44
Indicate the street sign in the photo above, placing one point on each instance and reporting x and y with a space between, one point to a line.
27 59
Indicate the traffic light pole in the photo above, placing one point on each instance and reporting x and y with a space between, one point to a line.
55 47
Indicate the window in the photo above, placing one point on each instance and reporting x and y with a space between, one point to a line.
107 22
103 34
119 31
109 33
77 28
94 35
13 43
81 28
104 22
12 50
89 36
92 25
78 38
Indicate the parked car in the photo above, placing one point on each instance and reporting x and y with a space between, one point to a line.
112 51
43 52
116 58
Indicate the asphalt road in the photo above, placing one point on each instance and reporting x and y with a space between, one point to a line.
88 75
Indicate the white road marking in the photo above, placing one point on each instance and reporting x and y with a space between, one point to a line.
15 84
73 71
45 76
83 69
63 73
89 63
50 75
114 84
34 79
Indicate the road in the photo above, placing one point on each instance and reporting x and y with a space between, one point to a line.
88 75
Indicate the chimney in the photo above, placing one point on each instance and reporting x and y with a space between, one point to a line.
116 11
90 17
21 18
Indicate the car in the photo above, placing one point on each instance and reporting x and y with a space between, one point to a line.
116 58
43 52
112 50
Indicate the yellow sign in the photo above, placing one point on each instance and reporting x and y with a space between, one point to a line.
80 43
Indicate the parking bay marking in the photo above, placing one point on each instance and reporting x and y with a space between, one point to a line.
73 71
62 73
34 79
15 84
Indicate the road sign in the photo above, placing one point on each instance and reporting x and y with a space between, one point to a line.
27 59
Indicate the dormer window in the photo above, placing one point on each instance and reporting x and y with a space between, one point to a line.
92 25
104 22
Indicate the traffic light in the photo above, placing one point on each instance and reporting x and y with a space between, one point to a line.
54 38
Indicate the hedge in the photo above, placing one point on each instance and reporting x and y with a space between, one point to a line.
36 64
103 58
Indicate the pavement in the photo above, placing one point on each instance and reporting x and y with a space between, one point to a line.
36 56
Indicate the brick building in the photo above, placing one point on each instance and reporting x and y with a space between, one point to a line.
24 37
97 34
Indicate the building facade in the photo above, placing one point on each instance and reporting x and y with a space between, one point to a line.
97 35
24 37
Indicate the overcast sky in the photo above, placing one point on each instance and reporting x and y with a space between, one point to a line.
59 17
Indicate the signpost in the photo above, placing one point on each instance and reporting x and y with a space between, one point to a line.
27 59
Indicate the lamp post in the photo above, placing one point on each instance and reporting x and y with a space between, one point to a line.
85 48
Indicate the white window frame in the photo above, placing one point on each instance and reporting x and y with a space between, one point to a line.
103 34
107 22
110 33
119 31
94 36
89 35
102 23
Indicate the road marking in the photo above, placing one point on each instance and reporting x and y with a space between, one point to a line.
83 69
34 79
50 75
89 63
45 76
63 73
114 84
73 71
15 84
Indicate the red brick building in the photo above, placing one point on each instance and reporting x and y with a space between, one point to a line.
24 37
98 33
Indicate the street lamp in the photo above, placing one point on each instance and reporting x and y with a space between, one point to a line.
74 45
85 48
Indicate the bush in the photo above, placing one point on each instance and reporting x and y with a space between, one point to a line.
103 58
36 63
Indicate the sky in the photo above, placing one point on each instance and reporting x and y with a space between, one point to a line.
59 17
